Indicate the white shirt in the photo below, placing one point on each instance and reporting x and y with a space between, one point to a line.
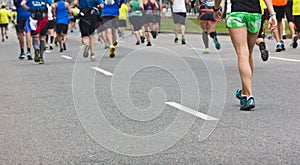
179 6
50 16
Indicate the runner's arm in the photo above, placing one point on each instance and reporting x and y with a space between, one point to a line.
23 4
53 6
272 18
69 8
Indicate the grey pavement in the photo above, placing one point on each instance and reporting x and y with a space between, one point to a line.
65 112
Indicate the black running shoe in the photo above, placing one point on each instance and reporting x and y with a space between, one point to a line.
64 46
263 51
153 33
149 44
295 44
176 40
142 39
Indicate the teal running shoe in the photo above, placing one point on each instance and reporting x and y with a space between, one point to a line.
238 95
249 104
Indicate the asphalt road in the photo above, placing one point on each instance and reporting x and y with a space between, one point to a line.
141 106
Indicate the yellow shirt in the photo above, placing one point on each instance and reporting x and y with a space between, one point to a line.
296 7
123 12
13 15
263 6
74 12
4 16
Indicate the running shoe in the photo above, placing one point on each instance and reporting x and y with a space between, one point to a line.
248 105
206 51
46 46
64 46
278 47
142 39
36 55
28 54
56 42
183 41
263 51
238 95
3 40
86 51
61 50
217 43
6 36
119 33
284 36
176 40
137 43
295 44
116 43
154 34
93 57
106 46
21 56
42 60
51 46
112 51
282 45
149 44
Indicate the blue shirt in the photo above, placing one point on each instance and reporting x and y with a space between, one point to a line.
62 15
38 4
89 3
112 10
22 14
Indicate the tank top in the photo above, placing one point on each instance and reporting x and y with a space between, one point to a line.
149 7
296 7
62 16
279 2
250 6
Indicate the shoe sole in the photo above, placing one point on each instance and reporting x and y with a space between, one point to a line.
264 55
247 108
295 44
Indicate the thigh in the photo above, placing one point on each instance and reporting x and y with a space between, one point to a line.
239 40
20 26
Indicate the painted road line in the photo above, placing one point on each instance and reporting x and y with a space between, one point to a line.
191 111
107 73
66 57
285 59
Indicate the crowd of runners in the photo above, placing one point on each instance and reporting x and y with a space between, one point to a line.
44 24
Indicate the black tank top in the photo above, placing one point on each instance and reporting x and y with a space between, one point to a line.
149 7
251 6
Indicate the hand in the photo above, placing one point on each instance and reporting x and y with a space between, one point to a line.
272 23
218 15
101 6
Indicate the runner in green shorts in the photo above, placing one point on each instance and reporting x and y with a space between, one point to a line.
243 22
